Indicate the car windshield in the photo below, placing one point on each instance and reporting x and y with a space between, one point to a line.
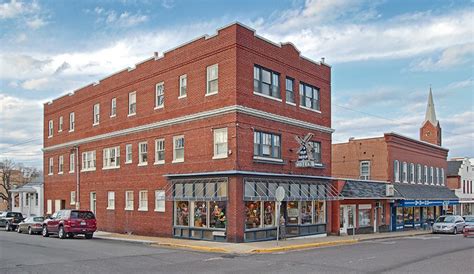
469 219
3 214
82 215
446 219
38 219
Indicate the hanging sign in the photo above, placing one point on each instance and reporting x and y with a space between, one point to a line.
305 152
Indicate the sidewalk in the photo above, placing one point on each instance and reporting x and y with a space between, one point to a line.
255 247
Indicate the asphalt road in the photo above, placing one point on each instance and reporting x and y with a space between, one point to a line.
422 254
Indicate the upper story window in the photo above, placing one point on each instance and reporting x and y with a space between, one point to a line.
72 121
364 170
425 175
72 162
437 176
110 200
128 153
290 93
160 201
96 114
442 176
266 82
309 97
266 145
50 167
132 103
431 176
111 157
129 200
418 174
178 149
160 151
220 143
212 79
183 85
113 107
142 153
412 173
88 161
60 126
143 200
61 164
50 128
316 151
405 172
396 171
160 95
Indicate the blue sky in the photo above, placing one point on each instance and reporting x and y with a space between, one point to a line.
384 57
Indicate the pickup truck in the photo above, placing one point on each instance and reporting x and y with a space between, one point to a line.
10 220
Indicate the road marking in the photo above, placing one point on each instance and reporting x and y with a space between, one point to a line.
213 259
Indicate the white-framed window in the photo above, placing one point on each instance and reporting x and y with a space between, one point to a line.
309 97
396 171
111 200
290 92
72 121
178 149
96 113
128 154
266 82
72 162
364 170
142 153
160 200
183 85
405 172
159 151
442 176
212 79
316 151
51 166
266 146
143 200
111 157
418 174
49 207
132 103
431 176
60 126
73 198
60 164
412 173
425 175
113 107
220 143
50 128
129 200
88 161
437 176
160 95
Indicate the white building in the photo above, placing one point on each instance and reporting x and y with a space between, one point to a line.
461 180
28 199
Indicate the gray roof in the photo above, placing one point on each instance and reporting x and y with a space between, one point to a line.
425 192
453 168
366 189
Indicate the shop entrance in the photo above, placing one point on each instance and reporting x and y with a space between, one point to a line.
346 218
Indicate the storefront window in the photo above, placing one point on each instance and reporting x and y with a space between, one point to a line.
383 209
417 216
292 213
306 212
269 214
364 216
218 214
253 214
399 215
319 212
182 213
200 214
430 213
408 212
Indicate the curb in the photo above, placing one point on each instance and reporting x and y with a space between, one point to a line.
125 240
303 246
394 236
192 247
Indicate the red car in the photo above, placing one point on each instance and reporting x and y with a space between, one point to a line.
69 223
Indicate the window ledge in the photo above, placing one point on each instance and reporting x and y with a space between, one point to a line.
50 174
50 136
159 163
110 167
60 173
95 124
131 114
267 96
71 130
129 209
110 208
87 170
60 130
310 109
266 160
128 162
72 171
159 107
217 157
291 104
159 210
178 161
143 209
143 164
213 93
182 96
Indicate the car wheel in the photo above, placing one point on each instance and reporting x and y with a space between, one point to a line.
89 235
61 233
70 235
30 231
7 227
455 231
18 229
45 232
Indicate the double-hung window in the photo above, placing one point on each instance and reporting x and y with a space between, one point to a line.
309 97
212 86
51 167
61 164
220 143
405 172
96 114
412 173
72 162
142 153
111 157
316 151
178 149
88 161
160 95
442 176
396 171
60 127
160 200
113 107
128 154
290 93
50 128
132 103
129 200
73 198
143 200
431 176
418 173
267 145
266 82
183 85
110 200
437 176
72 121
425 179
364 170
159 151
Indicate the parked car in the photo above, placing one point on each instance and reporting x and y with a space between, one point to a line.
10 220
448 224
69 223
32 225
469 225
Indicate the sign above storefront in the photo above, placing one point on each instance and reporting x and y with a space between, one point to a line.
409 203
306 157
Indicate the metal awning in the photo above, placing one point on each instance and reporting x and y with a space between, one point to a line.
197 189
263 189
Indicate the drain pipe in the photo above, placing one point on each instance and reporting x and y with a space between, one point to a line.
78 182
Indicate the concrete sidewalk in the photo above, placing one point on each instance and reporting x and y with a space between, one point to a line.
255 247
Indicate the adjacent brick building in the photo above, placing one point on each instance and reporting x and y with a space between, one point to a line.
193 143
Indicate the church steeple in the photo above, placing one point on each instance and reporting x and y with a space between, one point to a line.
430 131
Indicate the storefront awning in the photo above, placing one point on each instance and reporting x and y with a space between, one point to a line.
425 192
263 189
197 189
366 190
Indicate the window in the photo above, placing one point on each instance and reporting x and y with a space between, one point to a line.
183 85
110 200
364 215
431 175
309 97
442 176
160 151
128 200
266 82
96 114
111 157
71 121
266 145
364 170
290 93
73 198
425 175
143 200
220 143
412 173
113 107
178 149
128 153
160 200
132 103
50 169
72 162
316 151
60 127
61 164
212 79
143 153
49 207
396 171
50 128
160 95
418 174
404 172
437 176
88 161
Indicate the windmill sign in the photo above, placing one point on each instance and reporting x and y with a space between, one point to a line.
305 152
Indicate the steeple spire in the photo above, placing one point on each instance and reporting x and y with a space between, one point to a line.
430 110
431 132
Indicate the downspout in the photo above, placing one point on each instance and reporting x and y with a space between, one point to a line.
78 182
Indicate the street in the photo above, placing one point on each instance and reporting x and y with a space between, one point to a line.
20 253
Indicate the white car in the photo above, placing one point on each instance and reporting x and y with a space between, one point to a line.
449 224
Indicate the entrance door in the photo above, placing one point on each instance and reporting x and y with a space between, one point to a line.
93 202
346 218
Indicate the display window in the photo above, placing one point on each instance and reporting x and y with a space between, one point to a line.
218 215
319 212
200 214
306 212
182 213
430 213
269 214
252 212
292 213
364 215
399 215
408 215
417 215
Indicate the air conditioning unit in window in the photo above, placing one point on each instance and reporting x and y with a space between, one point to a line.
389 190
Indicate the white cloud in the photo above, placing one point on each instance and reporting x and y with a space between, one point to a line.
450 57
36 84
36 22
167 4
12 9
124 19
461 84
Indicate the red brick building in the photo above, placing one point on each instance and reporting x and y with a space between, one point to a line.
193 143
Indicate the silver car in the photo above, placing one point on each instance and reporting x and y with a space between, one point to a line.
449 224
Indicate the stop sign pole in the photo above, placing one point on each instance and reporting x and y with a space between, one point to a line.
279 196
